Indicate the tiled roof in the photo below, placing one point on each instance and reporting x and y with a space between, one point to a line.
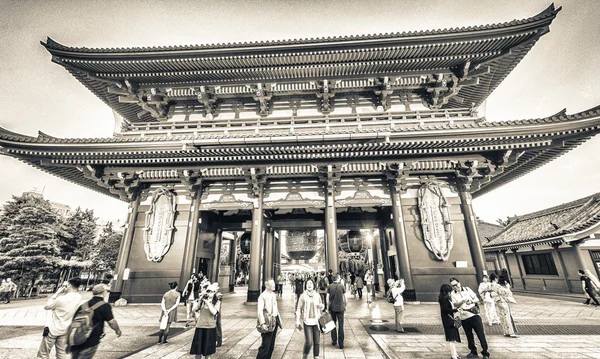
547 13
488 230
555 222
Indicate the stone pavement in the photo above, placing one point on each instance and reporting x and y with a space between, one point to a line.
550 328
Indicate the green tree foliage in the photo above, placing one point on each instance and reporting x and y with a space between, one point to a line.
29 244
107 249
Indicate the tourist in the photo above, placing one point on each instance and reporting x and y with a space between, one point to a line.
307 318
298 288
360 284
102 313
323 284
268 319
485 293
62 309
337 305
280 281
588 287
502 295
330 276
11 288
190 294
219 296
466 301
396 290
169 303
3 291
593 279
205 337
447 311
369 284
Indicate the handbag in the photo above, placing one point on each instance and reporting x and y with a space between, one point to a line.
326 323
391 299
164 321
270 321
475 309
457 324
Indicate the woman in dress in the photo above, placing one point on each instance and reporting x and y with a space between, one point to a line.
502 295
169 304
205 336
447 311
490 305
308 313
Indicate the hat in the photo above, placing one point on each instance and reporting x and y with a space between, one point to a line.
216 284
390 282
98 289
213 287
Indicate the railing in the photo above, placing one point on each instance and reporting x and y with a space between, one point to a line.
294 124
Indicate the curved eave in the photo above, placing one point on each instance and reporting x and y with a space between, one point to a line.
568 236
500 46
544 18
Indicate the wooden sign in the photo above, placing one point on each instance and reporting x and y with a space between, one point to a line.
158 230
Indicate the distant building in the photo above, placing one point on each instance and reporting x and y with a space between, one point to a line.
544 250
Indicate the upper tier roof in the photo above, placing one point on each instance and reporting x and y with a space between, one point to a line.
448 68
551 225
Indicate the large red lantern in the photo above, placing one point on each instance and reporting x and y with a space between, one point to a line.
354 241
245 242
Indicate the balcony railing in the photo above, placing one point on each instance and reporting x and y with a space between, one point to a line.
300 124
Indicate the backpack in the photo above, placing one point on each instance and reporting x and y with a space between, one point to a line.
81 327
391 299
322 284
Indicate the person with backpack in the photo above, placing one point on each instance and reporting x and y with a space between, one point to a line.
395 297
323 283
337 306
62 308
87 326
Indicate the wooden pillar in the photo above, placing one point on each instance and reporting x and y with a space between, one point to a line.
233 259
472 233
277 254
561 267
384 257
191 240
256 242
269 254
217 258
519 267
331 244
578 256
400 238
125 248
374 251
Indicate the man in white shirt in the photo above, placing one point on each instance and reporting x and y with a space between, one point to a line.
268 301
396 289
62 309
466 301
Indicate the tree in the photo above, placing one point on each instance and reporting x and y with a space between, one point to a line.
79 234
107 249
28 246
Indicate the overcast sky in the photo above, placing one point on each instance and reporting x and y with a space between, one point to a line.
35 94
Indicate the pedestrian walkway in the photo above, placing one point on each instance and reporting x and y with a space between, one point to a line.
550 328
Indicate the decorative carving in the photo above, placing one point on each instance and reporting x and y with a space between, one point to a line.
152 101
363 198
226 202
159 226
397 175
435 220
325 95
263 94
206 96
192 181
383 93
294 200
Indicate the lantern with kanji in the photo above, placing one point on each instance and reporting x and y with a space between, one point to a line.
354 241
245 242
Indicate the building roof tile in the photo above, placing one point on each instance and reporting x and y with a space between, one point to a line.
555 222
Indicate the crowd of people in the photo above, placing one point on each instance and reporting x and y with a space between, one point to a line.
319 296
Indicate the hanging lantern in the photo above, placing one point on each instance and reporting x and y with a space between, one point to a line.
353 242
301 244
245 242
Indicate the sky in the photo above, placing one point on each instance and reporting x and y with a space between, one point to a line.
37 95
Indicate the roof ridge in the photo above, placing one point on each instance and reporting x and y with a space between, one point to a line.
550 11
557 208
